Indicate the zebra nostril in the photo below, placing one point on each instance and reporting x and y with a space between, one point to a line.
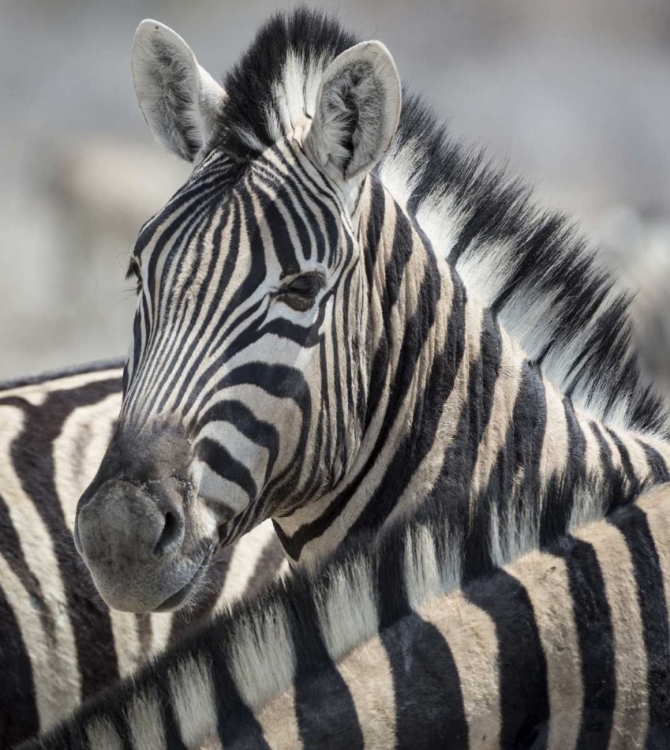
171 533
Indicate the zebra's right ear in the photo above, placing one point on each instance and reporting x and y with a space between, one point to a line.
179 99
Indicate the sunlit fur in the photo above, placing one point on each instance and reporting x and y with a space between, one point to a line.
59 644
465 346
562 649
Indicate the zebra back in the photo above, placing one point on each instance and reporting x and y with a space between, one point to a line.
561 649
59 643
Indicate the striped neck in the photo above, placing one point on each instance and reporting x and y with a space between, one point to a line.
456 409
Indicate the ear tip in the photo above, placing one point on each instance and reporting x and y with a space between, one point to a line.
148 26
151 29
373 49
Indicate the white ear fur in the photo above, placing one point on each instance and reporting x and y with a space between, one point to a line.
357 111
178 98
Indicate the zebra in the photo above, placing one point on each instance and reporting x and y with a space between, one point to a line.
564 648
342 314
59 644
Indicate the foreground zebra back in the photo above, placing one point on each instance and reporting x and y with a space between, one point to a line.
59 643
561 649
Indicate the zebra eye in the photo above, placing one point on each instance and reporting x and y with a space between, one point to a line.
301 293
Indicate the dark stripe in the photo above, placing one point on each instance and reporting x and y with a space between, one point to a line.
266 569
633 481
560 492
225 465
237 725
429 709
634 526
325 711
279 381
657 464
173 739
521 452
596 641
282 242
18 711
610 475
524 693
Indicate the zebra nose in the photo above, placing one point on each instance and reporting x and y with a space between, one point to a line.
133 545
123 522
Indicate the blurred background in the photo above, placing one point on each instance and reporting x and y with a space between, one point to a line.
575 94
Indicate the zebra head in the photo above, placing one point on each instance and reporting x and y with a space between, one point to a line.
247 379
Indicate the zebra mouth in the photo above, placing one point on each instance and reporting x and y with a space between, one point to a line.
174 601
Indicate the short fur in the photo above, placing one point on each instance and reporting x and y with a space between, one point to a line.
561 649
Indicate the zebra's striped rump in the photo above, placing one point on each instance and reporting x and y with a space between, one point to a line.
342 314
59 643
561 649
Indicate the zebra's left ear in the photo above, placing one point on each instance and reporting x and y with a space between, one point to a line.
357 111
179 99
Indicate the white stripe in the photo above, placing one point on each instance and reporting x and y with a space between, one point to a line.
146 725
554 456
193 698
545 579
368 675
102 736
471 636
79 449
278 722
262 661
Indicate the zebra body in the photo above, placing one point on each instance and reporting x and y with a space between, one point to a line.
342 314
59 643
561 649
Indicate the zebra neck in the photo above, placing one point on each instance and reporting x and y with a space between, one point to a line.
456 410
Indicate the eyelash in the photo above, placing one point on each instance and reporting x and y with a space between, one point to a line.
134 270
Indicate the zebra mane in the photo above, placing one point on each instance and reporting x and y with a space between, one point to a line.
537 274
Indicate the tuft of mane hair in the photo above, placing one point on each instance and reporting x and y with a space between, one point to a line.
541 279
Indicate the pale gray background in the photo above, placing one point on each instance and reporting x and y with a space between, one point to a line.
573 93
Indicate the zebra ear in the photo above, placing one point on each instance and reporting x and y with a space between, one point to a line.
357 111
179 99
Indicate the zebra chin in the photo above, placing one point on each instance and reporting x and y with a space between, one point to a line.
137 548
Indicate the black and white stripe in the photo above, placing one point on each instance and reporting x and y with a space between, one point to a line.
59 643
566 648
445 338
